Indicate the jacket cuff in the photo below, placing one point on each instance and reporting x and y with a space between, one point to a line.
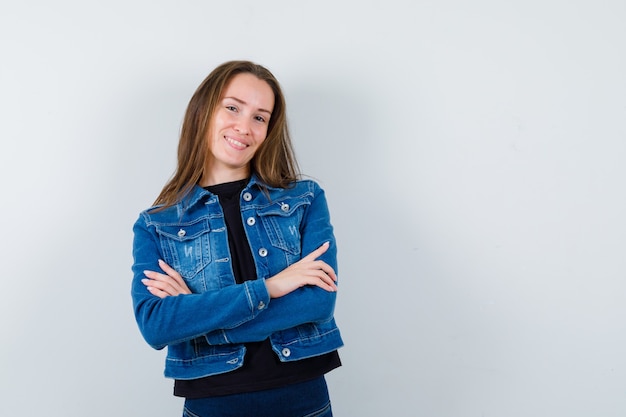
258 301
258 296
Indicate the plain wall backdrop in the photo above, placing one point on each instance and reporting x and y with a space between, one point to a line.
474 159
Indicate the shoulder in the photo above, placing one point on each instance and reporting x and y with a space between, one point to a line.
304 186
183 209
302 190
158 214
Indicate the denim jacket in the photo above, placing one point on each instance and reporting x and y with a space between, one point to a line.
205 331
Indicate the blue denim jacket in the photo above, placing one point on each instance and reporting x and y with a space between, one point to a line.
205 331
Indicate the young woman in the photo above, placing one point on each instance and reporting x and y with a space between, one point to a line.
235 264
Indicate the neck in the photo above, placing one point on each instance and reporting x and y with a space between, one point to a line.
214 178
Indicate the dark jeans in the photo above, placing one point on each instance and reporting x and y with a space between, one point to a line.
305 399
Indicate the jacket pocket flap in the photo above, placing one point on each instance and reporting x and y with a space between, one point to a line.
285 207
184 231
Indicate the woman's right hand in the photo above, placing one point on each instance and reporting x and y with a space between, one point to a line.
307 271
165 285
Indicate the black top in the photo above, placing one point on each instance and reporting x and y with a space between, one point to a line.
261 368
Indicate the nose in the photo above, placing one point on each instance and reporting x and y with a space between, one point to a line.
242 126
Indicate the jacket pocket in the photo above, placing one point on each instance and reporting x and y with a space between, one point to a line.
186 246
282 220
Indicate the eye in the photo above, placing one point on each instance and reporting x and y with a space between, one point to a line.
231 108
260 119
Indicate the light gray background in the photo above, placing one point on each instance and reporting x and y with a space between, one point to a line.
473 154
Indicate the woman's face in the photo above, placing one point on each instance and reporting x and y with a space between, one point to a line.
237 129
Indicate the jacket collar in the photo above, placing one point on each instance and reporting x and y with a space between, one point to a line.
197 193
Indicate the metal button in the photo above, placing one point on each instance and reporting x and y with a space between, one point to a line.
263 252
284 206
247 196
286 352
261 305
181 233
251 221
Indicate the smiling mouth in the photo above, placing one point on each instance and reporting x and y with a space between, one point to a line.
235 143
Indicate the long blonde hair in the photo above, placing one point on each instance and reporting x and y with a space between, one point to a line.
274 162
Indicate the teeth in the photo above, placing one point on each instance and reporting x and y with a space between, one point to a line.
236 142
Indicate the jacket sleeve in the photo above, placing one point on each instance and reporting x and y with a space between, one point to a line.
308 304
176 319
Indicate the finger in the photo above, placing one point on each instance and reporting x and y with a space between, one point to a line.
164 283
156 276
317 252
171 282
321 265
157 292
175 280
172 273
329 281
321 279
329 271
168 269
324 284
161 286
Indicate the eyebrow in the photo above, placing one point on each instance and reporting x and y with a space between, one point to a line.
238 100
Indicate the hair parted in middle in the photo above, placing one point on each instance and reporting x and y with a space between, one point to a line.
274 162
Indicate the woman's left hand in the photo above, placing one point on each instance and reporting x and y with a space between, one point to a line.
164 285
